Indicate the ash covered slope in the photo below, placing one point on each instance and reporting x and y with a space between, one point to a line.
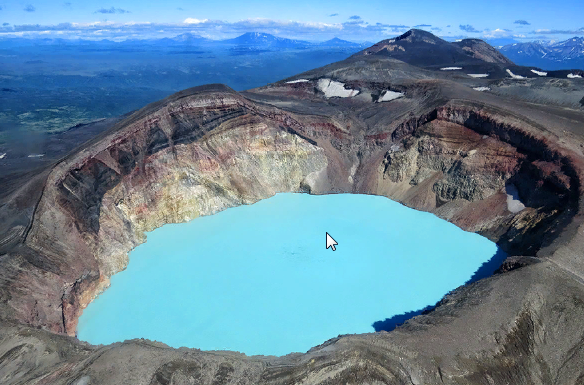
423 49
434 143
482 51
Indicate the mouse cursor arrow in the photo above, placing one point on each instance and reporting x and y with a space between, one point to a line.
330 242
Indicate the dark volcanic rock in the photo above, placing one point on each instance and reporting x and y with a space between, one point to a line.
421 48
441 146
469 56
482 51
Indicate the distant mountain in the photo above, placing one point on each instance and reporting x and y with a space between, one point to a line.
481 50
542 42
568 49
567 54
336 42
501 41
251 41
188 37
180 40
265 40
470 57
183 39
24 42
423 49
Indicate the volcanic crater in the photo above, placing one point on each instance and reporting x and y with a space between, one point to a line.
442 147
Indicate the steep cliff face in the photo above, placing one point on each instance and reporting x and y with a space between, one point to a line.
462 166
470 160
200 153
194 156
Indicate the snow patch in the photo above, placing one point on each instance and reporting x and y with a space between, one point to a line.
2 155
513 203
514 76
333 88
540 73
478 75
450 68
390 95
298 81
36 155
481 89
573 76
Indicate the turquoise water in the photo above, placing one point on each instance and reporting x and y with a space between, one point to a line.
258 279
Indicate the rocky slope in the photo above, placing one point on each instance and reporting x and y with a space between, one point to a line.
507 169
482 51
468 57
422 48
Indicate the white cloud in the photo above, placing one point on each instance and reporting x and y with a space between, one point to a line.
496 33
80 25
219 29
138 23
190 20
546 31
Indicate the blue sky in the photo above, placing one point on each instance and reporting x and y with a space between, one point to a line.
305 19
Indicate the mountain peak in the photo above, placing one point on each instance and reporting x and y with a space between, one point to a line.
418 34
424 49
574 41
261 39
336 42
548 55
257 35
481 50
188 36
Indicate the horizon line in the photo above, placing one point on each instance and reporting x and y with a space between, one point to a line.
31 35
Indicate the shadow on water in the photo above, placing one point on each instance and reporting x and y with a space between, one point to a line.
485 270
